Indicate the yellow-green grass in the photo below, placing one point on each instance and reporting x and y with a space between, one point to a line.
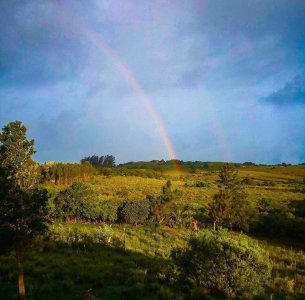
134 188
288 262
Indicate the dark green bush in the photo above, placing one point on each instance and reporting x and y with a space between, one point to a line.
135 212
80 202
77 201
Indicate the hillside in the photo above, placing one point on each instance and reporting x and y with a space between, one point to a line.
136 255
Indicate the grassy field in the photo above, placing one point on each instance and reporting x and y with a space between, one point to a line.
130 265
65 268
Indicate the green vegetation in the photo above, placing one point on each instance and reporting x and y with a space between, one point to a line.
66 173
102 161
221 264
23 207
144 230
230 206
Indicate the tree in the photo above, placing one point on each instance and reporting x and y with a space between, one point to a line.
167 194
66 173
230 206
23 207
223 264
102 161
161 207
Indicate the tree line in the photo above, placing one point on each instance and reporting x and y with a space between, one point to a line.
100 161
66 173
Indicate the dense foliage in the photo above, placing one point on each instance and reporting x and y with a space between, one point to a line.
283 220
223 264
66 173
80 202
23 206
135 212
230 206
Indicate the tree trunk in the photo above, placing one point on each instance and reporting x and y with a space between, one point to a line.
214 226
21 289
124 238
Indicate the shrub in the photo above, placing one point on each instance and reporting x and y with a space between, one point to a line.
199 183
108 211
223 264
77 201
135 212
248 181
167 194
280 224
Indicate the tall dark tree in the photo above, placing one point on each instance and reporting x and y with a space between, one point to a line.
23 207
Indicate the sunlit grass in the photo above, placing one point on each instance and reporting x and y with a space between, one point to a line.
126 266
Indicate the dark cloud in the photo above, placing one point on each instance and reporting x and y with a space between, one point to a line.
204 65
248 41
38 44
291 94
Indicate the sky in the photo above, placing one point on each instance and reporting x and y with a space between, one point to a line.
208 80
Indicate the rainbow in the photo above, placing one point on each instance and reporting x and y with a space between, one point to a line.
130 78
126 72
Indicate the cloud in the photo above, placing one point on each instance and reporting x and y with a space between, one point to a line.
38 45
201 62
291 94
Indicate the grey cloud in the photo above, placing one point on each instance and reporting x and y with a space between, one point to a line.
291 94
37 45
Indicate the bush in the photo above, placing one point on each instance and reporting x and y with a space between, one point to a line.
77 201
80 202
281 225
222 264
248 181
135 212
167 194
199 183
108 211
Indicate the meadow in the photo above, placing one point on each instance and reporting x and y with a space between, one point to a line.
95 260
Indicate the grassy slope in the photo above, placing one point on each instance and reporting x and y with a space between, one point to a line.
58 271
53 271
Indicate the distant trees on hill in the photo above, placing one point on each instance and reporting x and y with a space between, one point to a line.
66 173
248 163
102 161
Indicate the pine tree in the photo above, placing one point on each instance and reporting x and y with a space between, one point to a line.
23 207
230 206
